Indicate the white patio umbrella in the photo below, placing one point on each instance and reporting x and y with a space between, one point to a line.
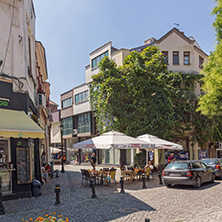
54 150
160 143
113 140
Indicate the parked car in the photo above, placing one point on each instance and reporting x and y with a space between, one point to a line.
187 172
215 164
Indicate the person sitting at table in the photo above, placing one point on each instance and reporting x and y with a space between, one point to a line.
149 168
50 170
45 174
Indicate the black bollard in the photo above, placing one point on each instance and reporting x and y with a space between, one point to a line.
93 188
57 191
2 208
147 220
160 177
121 182
144 182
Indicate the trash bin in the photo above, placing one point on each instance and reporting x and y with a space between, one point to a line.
36 185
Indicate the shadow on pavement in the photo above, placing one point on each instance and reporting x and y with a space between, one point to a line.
203 186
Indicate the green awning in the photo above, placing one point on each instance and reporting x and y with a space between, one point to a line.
17 124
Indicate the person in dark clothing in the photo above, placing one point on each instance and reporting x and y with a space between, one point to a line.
93 161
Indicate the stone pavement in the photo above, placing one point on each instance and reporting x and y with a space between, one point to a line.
158 203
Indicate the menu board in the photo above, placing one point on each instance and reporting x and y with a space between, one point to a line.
23 165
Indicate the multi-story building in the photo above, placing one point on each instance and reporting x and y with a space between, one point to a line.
182 54
20 135
43 94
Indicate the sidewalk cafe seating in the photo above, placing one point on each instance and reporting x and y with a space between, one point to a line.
85 176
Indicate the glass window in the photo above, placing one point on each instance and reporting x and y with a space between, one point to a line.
209 161
201 61
84 123
196 165
165 53
204 166
96 60
175 58
67 125
81 96
186 58
178 166
67 102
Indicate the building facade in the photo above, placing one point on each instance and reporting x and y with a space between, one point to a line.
20 131
182 54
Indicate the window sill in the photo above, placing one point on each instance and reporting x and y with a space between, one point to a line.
82 102
96 67
176 64
187 64
67 107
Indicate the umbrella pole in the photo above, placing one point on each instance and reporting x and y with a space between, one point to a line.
113 157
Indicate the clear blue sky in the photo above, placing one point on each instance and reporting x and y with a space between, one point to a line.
71 29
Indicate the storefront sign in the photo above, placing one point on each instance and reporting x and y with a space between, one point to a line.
4 103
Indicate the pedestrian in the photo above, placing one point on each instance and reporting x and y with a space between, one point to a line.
93 161
43 157
170 158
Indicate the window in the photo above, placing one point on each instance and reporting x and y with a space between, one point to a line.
175 58
177 166
196 165
96 60
165 53
67 125
81 96
204 166
186 56
84 123
67 102
201 61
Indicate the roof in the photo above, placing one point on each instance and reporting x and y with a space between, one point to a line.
110 42
53 103
140 48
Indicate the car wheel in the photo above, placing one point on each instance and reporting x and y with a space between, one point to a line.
168 185
198 182
213 178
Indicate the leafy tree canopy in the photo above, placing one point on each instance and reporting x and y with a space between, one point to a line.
210 104
142 96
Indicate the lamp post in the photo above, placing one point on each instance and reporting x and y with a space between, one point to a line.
61 128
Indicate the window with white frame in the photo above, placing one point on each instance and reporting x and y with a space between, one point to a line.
67 125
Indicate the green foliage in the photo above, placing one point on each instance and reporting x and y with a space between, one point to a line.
140 160
210 103
142 96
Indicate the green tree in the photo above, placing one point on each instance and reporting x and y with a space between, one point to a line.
142 96
210 104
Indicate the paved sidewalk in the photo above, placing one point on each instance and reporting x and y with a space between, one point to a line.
156 202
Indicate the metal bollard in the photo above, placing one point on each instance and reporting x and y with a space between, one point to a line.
57 191
160 177
121 182
2 208
147 220
144 182
93 188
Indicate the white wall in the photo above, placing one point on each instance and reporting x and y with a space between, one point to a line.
17 59
84 106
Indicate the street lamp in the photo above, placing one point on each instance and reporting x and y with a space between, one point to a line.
61 128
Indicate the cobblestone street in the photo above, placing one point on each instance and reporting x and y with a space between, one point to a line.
156 202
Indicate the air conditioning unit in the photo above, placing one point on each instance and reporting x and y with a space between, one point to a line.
75 131
41 100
